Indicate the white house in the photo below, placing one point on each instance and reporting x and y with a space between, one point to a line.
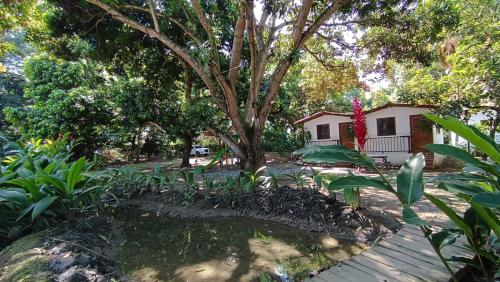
395 132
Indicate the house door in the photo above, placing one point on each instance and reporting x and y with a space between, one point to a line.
346 134
421 135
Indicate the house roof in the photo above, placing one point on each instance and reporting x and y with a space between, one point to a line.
391 105
388 105
320 114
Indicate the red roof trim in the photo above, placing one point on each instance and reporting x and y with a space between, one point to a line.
320 114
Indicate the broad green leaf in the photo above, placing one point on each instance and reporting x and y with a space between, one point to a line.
410 181
410 217
14 196
340 156
459 222
75 174
488 216
444 237
486 199
42 205
466 188
469 133
56 182
358 181
462 155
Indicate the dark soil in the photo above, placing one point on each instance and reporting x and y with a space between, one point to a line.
305 209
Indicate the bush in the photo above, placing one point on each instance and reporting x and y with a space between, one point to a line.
274 140
40 185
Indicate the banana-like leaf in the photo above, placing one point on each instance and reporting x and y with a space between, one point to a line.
465 188
459 222
42 205
469 133
488 200
329 156
410 217
489 217
56 182
75 174
410 181
14 196
462 155
358 181
444 237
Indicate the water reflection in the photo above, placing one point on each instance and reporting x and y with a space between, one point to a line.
155 248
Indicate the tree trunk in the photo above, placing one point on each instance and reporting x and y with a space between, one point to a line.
254 157
495 124
138 148
188 143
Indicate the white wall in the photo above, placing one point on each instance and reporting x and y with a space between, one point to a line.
402 115
332 120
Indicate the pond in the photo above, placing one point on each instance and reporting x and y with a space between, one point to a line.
157 248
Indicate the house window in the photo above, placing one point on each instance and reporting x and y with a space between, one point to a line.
323 131
386 126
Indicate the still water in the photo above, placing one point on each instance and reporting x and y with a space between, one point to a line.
156 248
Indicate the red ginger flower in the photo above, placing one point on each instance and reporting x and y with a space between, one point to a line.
360 130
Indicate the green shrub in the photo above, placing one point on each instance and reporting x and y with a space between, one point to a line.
40 185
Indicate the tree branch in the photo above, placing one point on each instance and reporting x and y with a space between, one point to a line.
153 15
228 141
239 31
167 42
284 64
176 22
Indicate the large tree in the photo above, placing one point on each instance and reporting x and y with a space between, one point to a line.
241 50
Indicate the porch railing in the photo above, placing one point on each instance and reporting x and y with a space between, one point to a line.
324 142
388 144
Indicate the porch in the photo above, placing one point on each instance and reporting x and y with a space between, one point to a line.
389 144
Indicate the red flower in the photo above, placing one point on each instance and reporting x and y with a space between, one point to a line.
360 130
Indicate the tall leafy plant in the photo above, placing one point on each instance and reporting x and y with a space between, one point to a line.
478 186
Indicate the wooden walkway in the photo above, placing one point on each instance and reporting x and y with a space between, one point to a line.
407 256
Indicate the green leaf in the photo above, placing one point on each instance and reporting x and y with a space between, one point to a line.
459 222
410 181
462 155
486 199
42 205
444 237
489 217
468 189
358 181
328 156
469 133
75 174
14 196
56 182
410 217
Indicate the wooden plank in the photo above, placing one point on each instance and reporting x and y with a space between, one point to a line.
402 266
359 274
329 276
451 250
421 245
430 259
375 276
406 257
381 268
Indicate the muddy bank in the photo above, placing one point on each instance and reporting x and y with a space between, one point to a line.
73 251
304 209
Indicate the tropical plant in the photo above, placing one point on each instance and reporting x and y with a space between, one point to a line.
39 185
299 178
478 186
